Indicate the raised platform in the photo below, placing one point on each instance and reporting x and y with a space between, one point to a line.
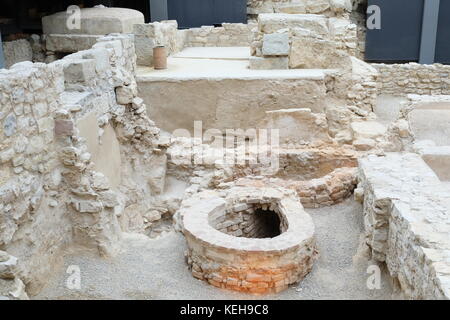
406 210
216 87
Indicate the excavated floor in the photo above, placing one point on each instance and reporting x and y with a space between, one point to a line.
156 269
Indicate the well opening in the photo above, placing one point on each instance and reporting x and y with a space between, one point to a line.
257 221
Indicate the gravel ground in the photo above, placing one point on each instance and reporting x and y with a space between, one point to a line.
155 268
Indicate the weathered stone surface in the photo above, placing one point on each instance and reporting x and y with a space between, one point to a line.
406 221
10 125
297 125
12 290
275 44
414 78
94 21
368 129
69 43
269 63
79 71
17 51
271 23
8 267
341 6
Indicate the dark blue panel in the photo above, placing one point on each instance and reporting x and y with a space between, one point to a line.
2 58
400 33
197 13
443 35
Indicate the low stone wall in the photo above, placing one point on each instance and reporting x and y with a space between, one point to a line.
413 78
68 130
315 193
244 264
329 7
228 35
406 212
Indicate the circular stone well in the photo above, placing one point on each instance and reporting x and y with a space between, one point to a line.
255 240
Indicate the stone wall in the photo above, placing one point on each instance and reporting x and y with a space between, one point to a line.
413 78
79 157
329 7
406 211
299 41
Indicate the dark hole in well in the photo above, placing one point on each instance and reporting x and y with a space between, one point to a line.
269 223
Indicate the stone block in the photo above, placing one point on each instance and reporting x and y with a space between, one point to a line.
101 58
63 127
273 22
93 21
8 265
80 71
275 44
368 129
144 50
269 63
126 94
69 43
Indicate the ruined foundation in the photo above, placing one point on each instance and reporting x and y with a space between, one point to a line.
95 145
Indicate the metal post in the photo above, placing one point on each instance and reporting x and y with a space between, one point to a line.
429 31
158 10
2 57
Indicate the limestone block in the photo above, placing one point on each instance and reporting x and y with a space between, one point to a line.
9 125
12 289
17 51
269 63
101 58
291 7
298 125
144 50
364 144
94 21
87 206
317 6
271 23
126 94
69 43
313 53
79 70
368 129
275 44
8 266
341 6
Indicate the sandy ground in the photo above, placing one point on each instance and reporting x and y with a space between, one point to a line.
155 269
